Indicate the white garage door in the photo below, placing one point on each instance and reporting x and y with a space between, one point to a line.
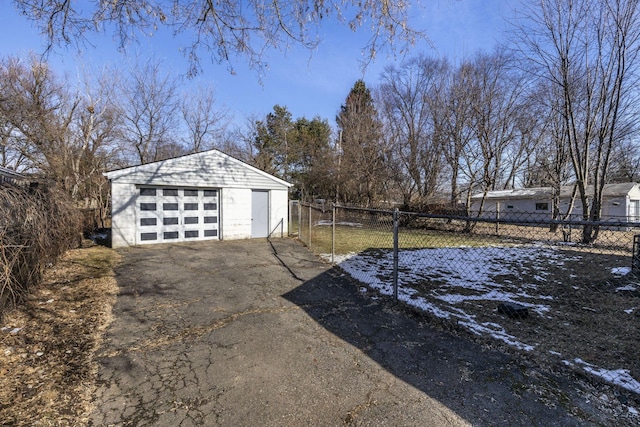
176 214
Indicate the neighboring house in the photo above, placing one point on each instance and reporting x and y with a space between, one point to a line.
202 196
621 202
11 176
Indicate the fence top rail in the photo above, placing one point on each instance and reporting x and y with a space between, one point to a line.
527 221
382 211
506 221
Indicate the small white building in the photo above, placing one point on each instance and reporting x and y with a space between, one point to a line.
10 176
621 202
202 196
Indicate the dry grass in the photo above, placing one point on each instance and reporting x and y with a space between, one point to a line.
47 344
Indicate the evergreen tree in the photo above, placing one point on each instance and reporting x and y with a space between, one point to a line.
362 173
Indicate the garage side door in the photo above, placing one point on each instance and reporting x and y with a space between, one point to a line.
259 213
176 214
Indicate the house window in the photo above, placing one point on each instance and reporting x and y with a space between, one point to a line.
542 206
509 206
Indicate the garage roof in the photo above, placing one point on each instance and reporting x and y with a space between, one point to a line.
211 168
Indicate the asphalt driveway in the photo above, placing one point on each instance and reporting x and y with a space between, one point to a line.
253 333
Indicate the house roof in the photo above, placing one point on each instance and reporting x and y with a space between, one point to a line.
213 167
610 190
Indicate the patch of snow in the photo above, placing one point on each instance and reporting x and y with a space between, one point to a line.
15 331
473 275
628 287
633 411
486 271
619 377
621 271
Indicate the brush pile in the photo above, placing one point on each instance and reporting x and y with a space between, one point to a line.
38 223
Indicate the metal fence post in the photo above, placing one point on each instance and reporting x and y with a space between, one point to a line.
300 206
395 254
289 218
333 234
309 226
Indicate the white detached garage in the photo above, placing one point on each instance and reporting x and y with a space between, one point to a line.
201 196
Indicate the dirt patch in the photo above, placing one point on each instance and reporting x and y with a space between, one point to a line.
47 373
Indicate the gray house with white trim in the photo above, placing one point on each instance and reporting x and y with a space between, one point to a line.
621 202
202 196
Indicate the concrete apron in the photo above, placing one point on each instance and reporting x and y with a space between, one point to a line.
248 333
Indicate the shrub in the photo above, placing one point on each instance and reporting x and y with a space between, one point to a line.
38 224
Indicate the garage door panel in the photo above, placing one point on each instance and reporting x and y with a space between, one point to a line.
176 214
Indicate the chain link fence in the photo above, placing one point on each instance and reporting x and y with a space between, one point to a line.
526 282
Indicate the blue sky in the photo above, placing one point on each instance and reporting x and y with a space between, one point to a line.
308 84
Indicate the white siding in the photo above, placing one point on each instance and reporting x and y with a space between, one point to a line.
210 169
615 208
123 214
236 213
279 211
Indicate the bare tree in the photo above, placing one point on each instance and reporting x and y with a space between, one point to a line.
550 163
150 106
453 107
206 124
97 129
38 113
225 29
496 113
588 50
406 98
625 165
67 137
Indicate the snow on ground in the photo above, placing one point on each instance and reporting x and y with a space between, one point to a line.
475 283
621 271
487 275
620 377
